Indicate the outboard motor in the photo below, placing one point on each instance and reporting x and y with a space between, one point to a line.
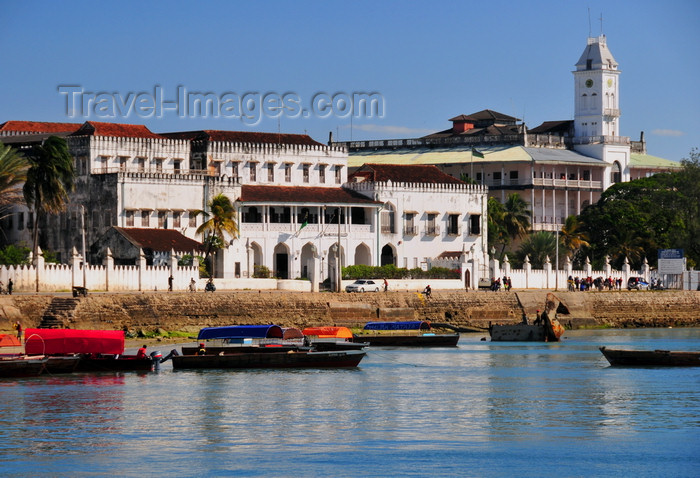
156 357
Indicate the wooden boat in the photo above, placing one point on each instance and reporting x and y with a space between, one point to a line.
651 358
289 359
93 350
404 334
22 366
547 330
61 364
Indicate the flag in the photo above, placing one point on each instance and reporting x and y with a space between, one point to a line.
476 153
303 224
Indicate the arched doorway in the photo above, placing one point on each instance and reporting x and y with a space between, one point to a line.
467 279
363 255
388 256
281 261
307 261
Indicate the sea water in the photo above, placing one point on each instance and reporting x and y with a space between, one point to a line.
480 409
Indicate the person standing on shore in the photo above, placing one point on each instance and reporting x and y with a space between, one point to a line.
9 286
170 283
18 328
386 285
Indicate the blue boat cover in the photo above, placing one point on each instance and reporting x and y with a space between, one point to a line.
241 332
409 325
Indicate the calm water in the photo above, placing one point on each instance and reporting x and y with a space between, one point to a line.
482 409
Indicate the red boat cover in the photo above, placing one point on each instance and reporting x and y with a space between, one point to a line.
70 341
7 340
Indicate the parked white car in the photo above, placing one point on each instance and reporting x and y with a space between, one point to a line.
363 285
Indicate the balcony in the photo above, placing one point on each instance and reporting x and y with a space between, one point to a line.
619 140
614 112
432 230
410 230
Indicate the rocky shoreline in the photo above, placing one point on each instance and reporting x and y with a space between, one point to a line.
165 312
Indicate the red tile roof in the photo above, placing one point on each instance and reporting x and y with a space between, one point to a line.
404 173
38 127
159 239
96 128
484 115
245 137
300 194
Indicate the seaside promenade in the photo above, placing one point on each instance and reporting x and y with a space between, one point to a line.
166 312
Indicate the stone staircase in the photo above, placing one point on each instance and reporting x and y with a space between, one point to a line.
60 309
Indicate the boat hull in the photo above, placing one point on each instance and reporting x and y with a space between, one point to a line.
651 358
526 332
300 359
114 364
22 367
67 364
396 340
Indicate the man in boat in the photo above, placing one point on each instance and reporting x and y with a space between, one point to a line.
538 320
141 353
202 349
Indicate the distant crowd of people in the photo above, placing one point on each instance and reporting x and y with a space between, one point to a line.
497 283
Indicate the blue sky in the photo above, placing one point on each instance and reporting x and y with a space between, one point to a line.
427 61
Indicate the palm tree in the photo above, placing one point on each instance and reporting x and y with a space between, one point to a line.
497 233
13 173
572 237
50 179
628 245
537 247
512 221
222 221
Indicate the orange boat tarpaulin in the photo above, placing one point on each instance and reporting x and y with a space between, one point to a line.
72 341
7 340
329 332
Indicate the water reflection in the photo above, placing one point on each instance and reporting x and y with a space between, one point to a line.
402 412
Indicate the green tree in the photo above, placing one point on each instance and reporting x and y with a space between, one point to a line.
537 246
221 222
13 173
509 221
50 179
573 238
13 255
497 232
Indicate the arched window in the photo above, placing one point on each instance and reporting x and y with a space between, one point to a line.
388 219
615 173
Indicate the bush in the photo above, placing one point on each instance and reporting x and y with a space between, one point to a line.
261 272
14 255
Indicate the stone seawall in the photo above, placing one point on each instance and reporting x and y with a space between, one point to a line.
189 312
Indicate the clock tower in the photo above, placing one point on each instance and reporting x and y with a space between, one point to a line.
597 110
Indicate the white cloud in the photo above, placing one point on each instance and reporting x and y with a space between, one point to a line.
667 132
391 130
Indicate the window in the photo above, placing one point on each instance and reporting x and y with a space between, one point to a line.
431 229
475 224
145 216
129 218
177 165
497 176
30 220
478 177
409 228
193 219
322 173
589 64
122 163
141 164
338 174
453 225
270 172
159 164
20 221
176 219
234 169
252 170
163 219
305 172
388 215
288 172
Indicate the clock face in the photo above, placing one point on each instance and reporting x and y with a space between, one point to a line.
589 83
610 82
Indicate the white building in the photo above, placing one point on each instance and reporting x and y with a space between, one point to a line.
292 195
559 167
